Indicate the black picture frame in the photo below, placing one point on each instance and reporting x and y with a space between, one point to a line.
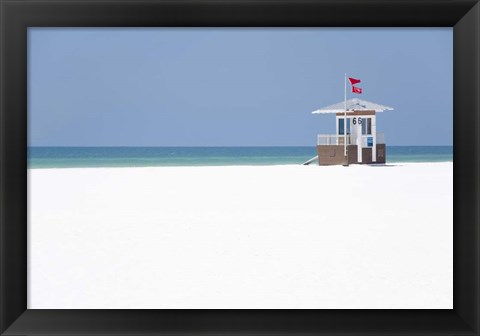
17 15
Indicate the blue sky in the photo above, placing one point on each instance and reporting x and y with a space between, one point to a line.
233 86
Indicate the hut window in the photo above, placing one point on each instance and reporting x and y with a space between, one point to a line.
367 126
341 126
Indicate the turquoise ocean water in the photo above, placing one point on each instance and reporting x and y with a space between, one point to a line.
80 157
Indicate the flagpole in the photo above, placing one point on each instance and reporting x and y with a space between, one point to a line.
345 123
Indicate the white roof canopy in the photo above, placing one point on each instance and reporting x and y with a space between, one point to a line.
354 104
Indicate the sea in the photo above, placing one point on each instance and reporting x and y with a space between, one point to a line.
93 157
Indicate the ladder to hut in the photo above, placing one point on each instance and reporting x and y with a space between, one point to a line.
306 163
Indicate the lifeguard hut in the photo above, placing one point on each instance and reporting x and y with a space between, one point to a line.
355 141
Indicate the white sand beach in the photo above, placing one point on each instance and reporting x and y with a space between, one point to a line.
242 237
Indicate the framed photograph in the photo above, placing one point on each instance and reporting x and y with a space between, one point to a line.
237 167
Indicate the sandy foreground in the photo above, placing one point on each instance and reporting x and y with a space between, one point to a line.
241 237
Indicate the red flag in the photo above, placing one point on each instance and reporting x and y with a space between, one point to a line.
354 81
356 89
